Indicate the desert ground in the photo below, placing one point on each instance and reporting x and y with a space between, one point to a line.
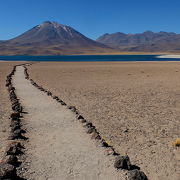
58 147
134 105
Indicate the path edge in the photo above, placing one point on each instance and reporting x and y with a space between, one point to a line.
121 162
11 160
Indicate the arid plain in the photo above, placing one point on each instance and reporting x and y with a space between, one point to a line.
134 105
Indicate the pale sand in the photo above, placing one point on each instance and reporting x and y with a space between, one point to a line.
169 56
134 105
58 147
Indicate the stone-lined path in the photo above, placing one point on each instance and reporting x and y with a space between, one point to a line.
58 147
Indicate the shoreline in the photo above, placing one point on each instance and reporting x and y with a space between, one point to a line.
169 56
93 58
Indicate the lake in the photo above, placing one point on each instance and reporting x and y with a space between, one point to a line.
70 58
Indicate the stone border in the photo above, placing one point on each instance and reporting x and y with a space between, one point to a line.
15 148
121 162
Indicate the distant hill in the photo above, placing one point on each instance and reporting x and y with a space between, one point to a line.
143 42
51 38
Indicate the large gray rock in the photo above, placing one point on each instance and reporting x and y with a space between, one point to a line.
122 162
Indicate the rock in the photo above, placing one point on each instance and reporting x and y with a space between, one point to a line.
96 136
13 96
63 103
15 126
88 124
55 97
126 130
14 101
18 131
110 151
80 117
60 101
90 130
15 115
49 93
16 107
17 134
136 175
11 88
14 149
7 171
104 143
13 137
8 84
11 159
40 88
15 120
122 162
72 108
82 120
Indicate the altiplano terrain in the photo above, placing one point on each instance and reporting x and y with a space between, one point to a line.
134 105
58 147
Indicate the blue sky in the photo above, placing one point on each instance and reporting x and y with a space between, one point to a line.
90 17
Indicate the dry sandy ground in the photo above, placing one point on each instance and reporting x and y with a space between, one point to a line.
5 106
58 146
134 105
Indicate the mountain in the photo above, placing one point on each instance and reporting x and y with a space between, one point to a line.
144 42
51 38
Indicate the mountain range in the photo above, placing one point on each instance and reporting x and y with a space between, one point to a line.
143 42
51 38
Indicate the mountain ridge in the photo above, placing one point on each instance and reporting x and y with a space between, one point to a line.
147 41
52 38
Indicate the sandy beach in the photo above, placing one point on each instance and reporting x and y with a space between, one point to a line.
134 105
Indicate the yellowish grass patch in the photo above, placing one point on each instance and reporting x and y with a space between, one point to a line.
176 142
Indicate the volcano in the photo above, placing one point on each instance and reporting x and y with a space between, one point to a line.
51 38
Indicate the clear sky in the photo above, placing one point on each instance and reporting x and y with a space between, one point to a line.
90 17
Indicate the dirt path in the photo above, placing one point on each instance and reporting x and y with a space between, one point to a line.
135 106
58 147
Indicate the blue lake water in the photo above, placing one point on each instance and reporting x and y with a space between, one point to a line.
87 58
